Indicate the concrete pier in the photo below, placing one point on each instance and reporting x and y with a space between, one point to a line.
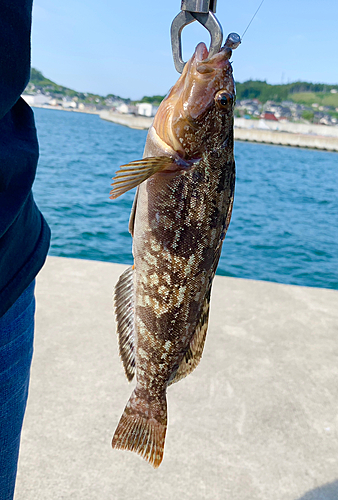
302 135
131 121
287 139
257 420
278 133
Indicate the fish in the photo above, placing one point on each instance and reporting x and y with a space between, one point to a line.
181 212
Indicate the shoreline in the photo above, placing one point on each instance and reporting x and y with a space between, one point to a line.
55 108
279 134
287 139
131 121
256 131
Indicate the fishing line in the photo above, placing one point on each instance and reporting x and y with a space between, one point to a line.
253 17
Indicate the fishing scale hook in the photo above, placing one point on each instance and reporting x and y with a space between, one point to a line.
202 11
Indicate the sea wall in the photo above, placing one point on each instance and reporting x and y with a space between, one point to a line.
290 127
132 121
262 131
287 139
86 111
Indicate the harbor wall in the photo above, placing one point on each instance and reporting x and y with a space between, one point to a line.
261 131
290 127
131 121
287 139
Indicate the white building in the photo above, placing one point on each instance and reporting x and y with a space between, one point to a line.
68 103
123 108
55 102
146 109
36 99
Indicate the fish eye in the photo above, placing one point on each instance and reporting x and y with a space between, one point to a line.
224 100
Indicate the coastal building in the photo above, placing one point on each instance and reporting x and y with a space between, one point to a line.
123 108
55 102
36 99
269 116
249 106
68 103
112 102
146 109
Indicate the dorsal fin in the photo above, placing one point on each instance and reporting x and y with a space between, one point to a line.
124 312
194 353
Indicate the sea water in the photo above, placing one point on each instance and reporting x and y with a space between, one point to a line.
284 226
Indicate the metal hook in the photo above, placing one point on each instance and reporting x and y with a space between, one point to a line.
203 12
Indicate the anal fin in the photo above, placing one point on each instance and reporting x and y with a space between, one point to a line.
194 353
124 312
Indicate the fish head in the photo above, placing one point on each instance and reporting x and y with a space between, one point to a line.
197 114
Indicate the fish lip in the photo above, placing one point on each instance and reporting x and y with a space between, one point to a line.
201 52
204 64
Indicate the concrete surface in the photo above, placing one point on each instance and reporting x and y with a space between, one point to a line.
257 420
287 139
282 134
132 121
291 127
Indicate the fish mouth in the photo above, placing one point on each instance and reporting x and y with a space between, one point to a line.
204 64
182 111
204 77
201 52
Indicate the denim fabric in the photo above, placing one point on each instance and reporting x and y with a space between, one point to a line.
16 349
24 234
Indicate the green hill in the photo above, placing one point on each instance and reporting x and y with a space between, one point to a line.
301 92
38 82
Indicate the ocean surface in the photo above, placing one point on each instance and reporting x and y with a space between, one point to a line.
284 226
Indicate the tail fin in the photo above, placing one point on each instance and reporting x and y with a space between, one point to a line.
142 428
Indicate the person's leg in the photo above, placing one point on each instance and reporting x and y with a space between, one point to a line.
16 349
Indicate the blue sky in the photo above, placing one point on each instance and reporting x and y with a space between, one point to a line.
123 47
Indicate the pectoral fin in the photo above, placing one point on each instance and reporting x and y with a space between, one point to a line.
136 172
124 311
194 353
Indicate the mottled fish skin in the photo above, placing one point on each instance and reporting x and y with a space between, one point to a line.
178 223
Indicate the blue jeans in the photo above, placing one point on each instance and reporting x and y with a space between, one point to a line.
16 349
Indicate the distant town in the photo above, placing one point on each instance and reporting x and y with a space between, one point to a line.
287 111
299 102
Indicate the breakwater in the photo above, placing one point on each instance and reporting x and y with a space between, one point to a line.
261 131
287 139
87 111
131 121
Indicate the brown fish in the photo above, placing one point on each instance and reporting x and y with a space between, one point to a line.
181 213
